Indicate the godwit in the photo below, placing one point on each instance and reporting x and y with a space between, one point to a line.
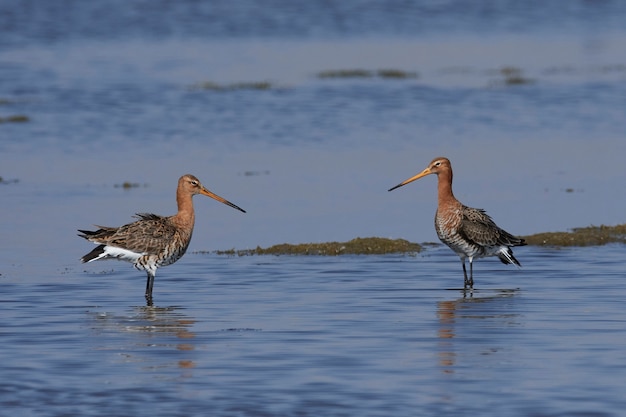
469 232
152 241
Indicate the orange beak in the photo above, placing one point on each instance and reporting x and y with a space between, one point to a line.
208 193
425 172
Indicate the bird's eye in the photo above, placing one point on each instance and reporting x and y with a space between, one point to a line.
195 183
438 163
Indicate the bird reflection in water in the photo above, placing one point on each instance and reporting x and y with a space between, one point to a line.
157 324
469 314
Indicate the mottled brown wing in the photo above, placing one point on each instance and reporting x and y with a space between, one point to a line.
99 235
478 227
150 234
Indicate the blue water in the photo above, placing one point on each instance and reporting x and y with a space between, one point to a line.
374 335
42 21
110 90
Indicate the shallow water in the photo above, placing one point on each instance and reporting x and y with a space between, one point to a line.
110 96
353 335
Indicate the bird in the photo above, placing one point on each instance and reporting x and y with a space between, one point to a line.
469 232
152 241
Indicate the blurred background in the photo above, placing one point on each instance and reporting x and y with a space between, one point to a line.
305 113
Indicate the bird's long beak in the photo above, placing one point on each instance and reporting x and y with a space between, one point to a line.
425 172
208 193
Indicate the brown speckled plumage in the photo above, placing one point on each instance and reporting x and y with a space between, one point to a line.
152 241
469 232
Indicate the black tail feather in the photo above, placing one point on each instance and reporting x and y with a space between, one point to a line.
86 234
508 258
99 250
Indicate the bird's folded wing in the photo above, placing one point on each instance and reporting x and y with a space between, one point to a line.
148 235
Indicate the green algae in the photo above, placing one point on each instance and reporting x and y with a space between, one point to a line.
18 118
363 73
127 185
581 236
253 85
346 73
396 74
358 246
512 76
508 76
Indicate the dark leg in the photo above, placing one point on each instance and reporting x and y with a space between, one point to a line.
466 282
149 284
471 280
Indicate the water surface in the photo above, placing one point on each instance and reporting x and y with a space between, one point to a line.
353 335
110 94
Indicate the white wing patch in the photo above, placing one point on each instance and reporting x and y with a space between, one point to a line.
119 253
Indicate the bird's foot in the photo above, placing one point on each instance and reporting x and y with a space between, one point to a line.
149 301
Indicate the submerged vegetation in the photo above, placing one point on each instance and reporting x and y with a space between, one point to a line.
18 118
398 74
505 76
7 181
581 236
349 73
253 85
363 73
127 185
512 76
358 246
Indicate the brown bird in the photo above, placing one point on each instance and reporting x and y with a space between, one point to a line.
152 241
469 232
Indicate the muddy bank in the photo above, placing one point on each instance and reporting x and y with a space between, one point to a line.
358 246
582 236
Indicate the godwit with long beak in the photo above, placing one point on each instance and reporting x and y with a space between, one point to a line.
152 241
469 232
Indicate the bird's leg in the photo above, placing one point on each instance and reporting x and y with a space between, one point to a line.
471 279
466 282
149 284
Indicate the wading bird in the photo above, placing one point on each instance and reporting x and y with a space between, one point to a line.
152 241
469 232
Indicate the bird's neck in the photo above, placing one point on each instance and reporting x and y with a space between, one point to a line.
185 216
444 188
